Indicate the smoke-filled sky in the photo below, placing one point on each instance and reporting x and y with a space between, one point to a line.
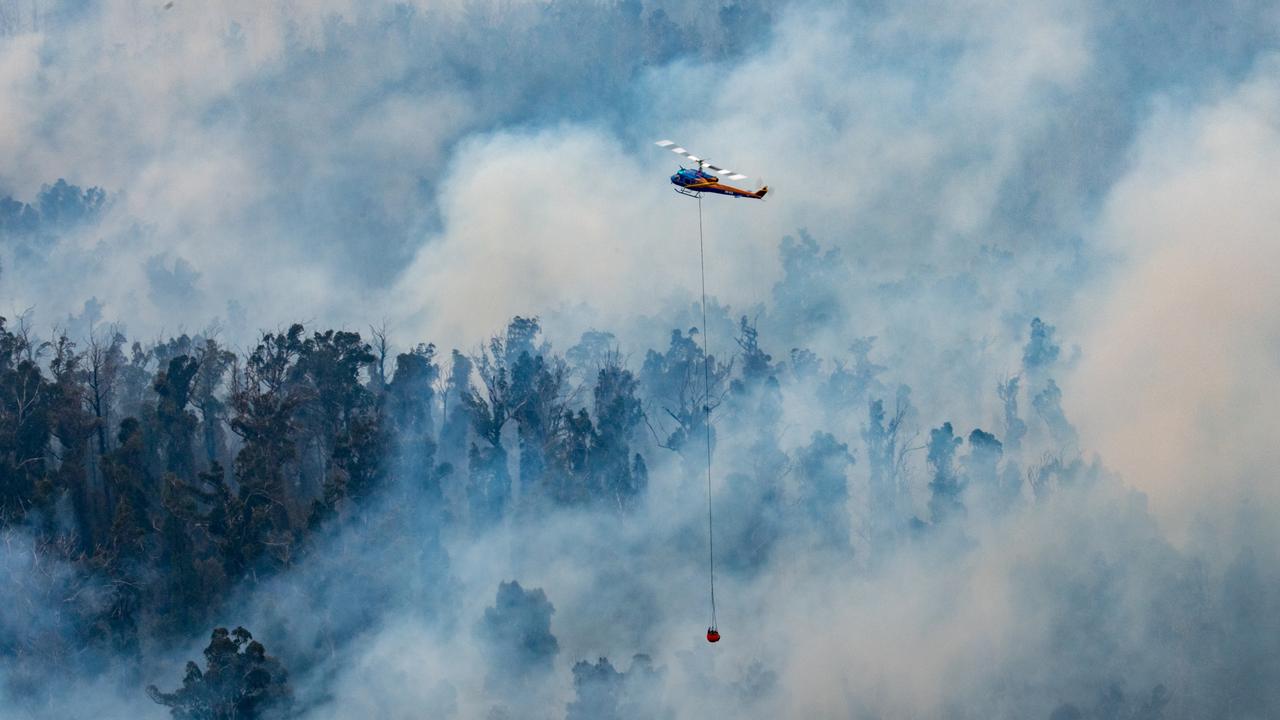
446 165
443 165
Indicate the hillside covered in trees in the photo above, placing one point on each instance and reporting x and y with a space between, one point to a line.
152 490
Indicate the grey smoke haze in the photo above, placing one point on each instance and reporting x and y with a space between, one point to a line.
943 173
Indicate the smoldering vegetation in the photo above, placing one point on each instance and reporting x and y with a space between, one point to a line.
520 531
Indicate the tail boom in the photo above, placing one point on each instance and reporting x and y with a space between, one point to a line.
736 192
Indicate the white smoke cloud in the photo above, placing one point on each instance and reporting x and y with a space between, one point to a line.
539 221
1178 381
884 163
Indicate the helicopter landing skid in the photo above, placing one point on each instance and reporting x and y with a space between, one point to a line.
687 193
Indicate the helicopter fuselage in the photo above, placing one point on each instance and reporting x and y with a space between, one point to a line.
693 181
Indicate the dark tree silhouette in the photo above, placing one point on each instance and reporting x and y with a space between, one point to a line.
946 485
1041 351
597 686
239 682
824 490
516 633
677 387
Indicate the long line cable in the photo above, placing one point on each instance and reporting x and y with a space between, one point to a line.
706 410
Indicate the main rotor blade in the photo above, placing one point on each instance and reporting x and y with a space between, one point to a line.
726 172
680 151
701 161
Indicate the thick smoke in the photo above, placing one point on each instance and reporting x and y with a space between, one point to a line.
991 389
1186 333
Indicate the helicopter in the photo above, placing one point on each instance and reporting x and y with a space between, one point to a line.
695 181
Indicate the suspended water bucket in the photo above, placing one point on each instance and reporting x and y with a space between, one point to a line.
713 635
